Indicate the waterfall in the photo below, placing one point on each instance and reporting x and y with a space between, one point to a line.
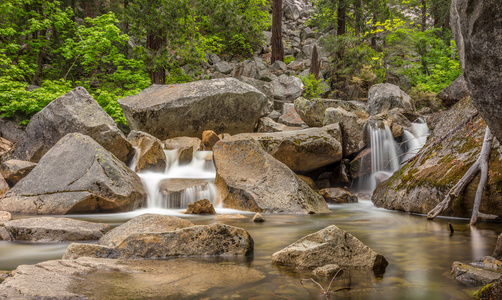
181 184
386 155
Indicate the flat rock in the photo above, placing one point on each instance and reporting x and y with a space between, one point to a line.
50 229
330 245
473 276
94 278
198 240
187 109
75 111
147 223
267 125
301 150
248 178
182 142
14 170
97 182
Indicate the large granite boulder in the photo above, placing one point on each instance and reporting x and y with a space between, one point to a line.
75 111
198 240
98 278
265 87
351 127
77 175
385 96
330 245
14 170
287 88
150 154
50 229
313 111
301 150
222 105
454 145
455 92
248 178
476 26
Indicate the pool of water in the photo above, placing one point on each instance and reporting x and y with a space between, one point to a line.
420 252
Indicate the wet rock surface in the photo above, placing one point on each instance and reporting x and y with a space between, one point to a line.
76 111
248 178
94 278
98 182
49 229
188 109
150 154
328 246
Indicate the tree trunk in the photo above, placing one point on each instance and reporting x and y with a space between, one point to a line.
155 40
315 65
481 164
277 47
359 17
424 15
341 18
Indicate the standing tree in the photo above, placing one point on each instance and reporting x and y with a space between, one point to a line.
424 15
277 47
315 65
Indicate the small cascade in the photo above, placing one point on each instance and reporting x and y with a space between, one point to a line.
181 184
414 139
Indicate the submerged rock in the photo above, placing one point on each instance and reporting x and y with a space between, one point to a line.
338 195
200 207
49 229
385 96
97 182
221 105
95 278
76 111
258 218
420 184
14 170
301 150
248 178
473 276
330 245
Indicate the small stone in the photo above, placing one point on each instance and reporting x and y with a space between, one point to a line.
258 218
326 270
209 138
223 67
200 207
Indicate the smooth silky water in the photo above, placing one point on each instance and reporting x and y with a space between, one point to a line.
420 252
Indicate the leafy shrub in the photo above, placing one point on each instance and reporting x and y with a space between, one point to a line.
288 60
313 87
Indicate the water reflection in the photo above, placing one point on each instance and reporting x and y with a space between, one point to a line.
420 252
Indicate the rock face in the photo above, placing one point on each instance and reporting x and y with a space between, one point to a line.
76 111
199 240
98 182
93 278
248 178
451 149
14 170
301 150
313 111
200 207
5 145
385 96
455 92
330 245
351 126
49 229
150 154
222 105
476 26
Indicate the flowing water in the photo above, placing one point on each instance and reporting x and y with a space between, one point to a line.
420 252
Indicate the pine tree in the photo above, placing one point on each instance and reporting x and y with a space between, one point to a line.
277 47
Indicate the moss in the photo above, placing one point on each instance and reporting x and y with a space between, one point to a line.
483 291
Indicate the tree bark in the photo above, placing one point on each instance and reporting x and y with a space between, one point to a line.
315 65
481 164
359 17
154 41
424 15
277 46
341 18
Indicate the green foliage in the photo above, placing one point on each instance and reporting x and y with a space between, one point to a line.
288 59
178 76
313 87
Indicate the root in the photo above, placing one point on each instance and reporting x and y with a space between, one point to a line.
481 165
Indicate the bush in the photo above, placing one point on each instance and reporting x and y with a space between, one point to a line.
312 87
